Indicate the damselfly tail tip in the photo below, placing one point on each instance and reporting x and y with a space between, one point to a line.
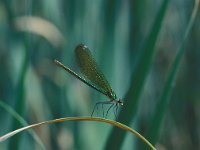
56 62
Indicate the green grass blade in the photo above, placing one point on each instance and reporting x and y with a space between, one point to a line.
154 130
129 109
20 102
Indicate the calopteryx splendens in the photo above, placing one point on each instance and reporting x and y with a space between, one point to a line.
93 77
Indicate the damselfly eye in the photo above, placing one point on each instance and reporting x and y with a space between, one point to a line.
120 102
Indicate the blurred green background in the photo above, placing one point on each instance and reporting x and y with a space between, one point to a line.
148 50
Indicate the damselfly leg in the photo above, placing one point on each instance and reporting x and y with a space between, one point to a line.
113 104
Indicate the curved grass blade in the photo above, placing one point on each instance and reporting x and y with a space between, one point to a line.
97 119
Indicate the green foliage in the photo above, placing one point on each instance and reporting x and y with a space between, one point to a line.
149 52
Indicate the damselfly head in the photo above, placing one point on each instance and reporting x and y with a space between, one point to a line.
120 102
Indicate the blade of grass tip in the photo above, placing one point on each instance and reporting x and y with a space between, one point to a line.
128 112
154 130
15 115
114 123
